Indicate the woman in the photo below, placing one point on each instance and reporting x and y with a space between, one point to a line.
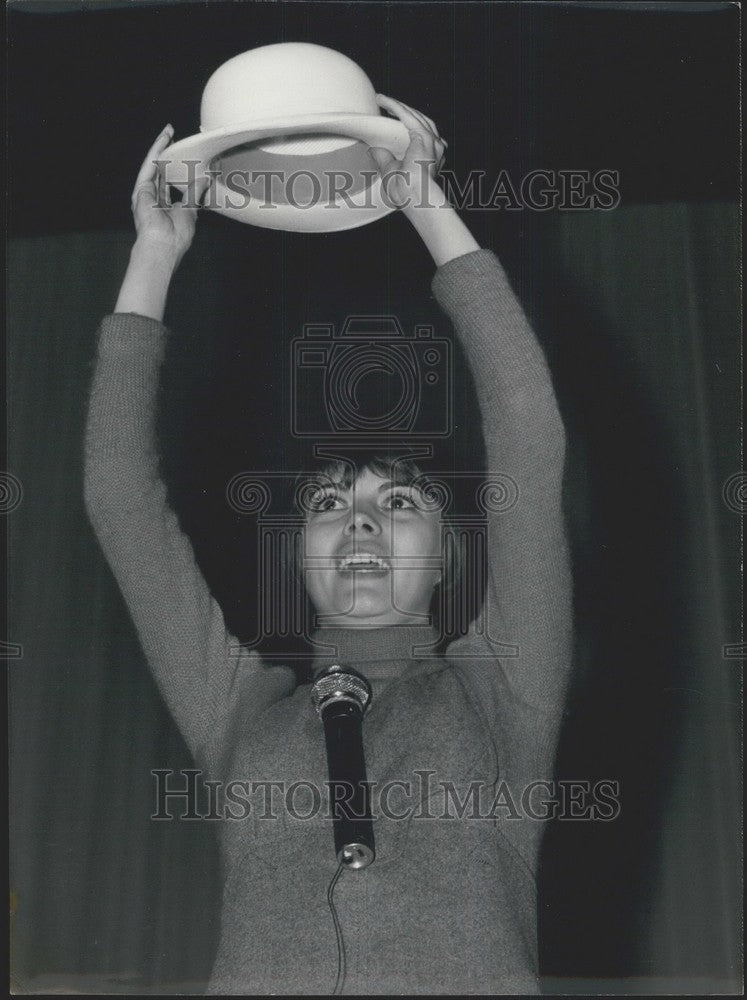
449 904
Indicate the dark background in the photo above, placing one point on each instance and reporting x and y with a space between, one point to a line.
524 86
638 311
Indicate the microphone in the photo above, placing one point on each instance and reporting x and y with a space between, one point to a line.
340 697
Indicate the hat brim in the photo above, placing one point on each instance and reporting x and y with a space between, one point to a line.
188 158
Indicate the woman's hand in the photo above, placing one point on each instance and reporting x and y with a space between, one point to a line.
408 182
167 227
410 185
164 234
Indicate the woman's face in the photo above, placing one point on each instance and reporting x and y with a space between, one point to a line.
372 553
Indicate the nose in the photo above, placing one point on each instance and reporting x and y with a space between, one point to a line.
362 522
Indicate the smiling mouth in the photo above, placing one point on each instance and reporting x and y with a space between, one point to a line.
363 562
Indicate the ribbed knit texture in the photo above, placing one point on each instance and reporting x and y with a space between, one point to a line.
449 905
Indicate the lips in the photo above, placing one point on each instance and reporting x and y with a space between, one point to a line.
362 561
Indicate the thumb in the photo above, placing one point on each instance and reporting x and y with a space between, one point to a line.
195 191
384 158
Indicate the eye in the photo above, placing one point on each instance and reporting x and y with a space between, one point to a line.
322 501
402 499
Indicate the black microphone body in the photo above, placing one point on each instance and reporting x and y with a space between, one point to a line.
340 696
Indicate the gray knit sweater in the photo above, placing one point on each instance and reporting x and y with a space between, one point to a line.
449 904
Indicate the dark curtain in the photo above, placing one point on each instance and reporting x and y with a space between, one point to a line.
638 311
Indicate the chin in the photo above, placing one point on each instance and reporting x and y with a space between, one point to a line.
369 618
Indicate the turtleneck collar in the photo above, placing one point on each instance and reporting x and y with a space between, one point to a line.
380 654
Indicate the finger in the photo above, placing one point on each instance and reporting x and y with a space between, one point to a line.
422 145
162 140
184 214
148 168
399 110
423 118
148 188
417 124
201 187
194 193
427 122
431 125
434 129
162 189
143 201
147 173
155 188
419 151
384 157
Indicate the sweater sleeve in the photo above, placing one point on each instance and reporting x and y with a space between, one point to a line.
198 666
528 598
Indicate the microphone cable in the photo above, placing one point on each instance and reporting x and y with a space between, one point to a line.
341 969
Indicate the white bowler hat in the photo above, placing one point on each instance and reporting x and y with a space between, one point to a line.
307 113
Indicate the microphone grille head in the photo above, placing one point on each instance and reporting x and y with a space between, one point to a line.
338 682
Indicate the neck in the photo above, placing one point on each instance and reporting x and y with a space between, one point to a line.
380 654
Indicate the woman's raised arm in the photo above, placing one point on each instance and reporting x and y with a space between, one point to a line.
180 625
529 593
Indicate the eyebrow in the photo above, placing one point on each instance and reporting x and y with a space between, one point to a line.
384 486
391 482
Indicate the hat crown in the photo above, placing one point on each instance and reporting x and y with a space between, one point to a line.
289 78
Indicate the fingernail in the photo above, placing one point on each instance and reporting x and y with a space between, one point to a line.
169 130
